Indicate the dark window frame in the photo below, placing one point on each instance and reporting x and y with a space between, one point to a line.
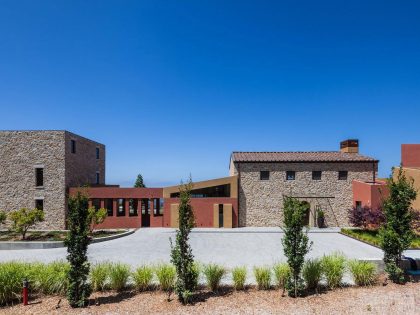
133 205
316 175
264 175
41 201
97 153
97 178
343 175
290 175
39 177
109 206
118 212
73 146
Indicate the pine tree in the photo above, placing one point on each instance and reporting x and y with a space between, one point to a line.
295 243
181 253
396 234
77 242
139 182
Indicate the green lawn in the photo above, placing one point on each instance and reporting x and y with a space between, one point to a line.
371 236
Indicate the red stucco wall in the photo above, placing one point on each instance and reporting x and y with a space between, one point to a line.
370 194
410 155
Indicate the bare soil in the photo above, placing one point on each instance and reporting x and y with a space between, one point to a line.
389 299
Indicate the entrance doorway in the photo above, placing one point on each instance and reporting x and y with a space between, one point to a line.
220 215
145 213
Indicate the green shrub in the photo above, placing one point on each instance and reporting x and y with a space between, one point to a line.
312 273
239 278
263 277
363 272
166 275
11 276
24 218
282 273
119 275
3 217
143 277
333 267
214 274
99 276
50 278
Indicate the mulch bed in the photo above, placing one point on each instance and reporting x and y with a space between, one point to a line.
389 299
43 236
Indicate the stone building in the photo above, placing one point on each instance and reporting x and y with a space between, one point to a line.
38 167
322 179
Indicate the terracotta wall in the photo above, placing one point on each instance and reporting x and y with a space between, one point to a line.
410 155
370 194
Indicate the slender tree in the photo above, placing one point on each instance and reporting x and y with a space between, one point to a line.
77 242
139 182
396 234
181 253
295 243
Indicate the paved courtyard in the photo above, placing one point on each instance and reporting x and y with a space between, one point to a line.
245 246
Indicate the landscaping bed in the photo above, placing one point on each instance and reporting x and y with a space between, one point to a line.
44 236
372 237
390 299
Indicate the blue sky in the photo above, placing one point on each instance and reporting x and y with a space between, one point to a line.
173 87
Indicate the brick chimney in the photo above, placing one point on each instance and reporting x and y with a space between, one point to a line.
349 146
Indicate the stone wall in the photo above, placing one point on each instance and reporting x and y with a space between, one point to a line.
260 201
20 153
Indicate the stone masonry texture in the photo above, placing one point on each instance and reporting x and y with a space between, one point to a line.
261 201
23 151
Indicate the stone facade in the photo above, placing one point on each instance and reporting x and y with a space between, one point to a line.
21 152
261 201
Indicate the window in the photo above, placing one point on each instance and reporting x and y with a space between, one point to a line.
73 146
39 204
316 175
290 175
97 153
358 205
96 203
109 206
120 207
132 212
39 177
158 207
264 175
97 178
342 175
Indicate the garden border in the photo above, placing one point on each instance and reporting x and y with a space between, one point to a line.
19 245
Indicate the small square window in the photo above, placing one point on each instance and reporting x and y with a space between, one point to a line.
290 175
97 153
39 204
316 175
39 177
264 175
342 175
73 146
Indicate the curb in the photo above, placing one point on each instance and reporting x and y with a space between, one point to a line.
19 245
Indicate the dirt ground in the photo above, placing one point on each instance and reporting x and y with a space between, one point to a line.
389 299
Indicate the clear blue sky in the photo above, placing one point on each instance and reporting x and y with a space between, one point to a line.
173 87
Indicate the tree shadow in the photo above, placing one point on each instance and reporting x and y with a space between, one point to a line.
203 296
111 299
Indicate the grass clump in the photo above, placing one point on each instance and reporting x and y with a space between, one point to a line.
282 273
50 278
263 277
166 275
11 276
312 273
363 272
119 274
333 267
214 274
99 276
239 278
143 277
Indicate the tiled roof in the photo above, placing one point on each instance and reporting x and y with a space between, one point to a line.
330 156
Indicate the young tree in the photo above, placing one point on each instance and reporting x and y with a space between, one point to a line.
181 253
96 217
3 217
77 242
396 234
295 243
24 218
139 182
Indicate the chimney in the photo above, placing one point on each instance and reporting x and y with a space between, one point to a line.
349 146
